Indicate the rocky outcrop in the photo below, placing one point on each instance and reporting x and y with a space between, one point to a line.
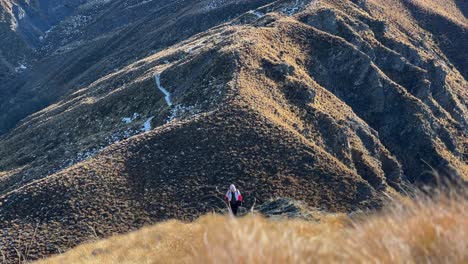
380 63
284 208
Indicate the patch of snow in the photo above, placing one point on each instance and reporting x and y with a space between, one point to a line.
298 4
21 13
147 124
257 13
21 68
46 33
128 120
167 95
113 138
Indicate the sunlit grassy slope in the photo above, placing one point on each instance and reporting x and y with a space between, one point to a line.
422 231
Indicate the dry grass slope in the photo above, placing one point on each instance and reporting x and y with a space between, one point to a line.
335 105
422 231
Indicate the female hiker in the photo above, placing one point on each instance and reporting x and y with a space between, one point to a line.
234 198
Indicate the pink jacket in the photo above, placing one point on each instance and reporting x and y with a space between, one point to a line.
238 196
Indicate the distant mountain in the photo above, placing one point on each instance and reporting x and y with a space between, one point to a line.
116 114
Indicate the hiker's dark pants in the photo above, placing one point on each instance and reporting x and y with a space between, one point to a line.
234 208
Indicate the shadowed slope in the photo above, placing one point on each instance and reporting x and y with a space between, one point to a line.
150 178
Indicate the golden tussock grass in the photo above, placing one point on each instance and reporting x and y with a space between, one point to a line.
422 231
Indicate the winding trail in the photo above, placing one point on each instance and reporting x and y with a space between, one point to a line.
167 95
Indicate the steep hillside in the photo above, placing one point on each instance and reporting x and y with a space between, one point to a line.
101 37
23 27
133 108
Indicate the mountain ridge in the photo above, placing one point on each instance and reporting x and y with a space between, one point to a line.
319 101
